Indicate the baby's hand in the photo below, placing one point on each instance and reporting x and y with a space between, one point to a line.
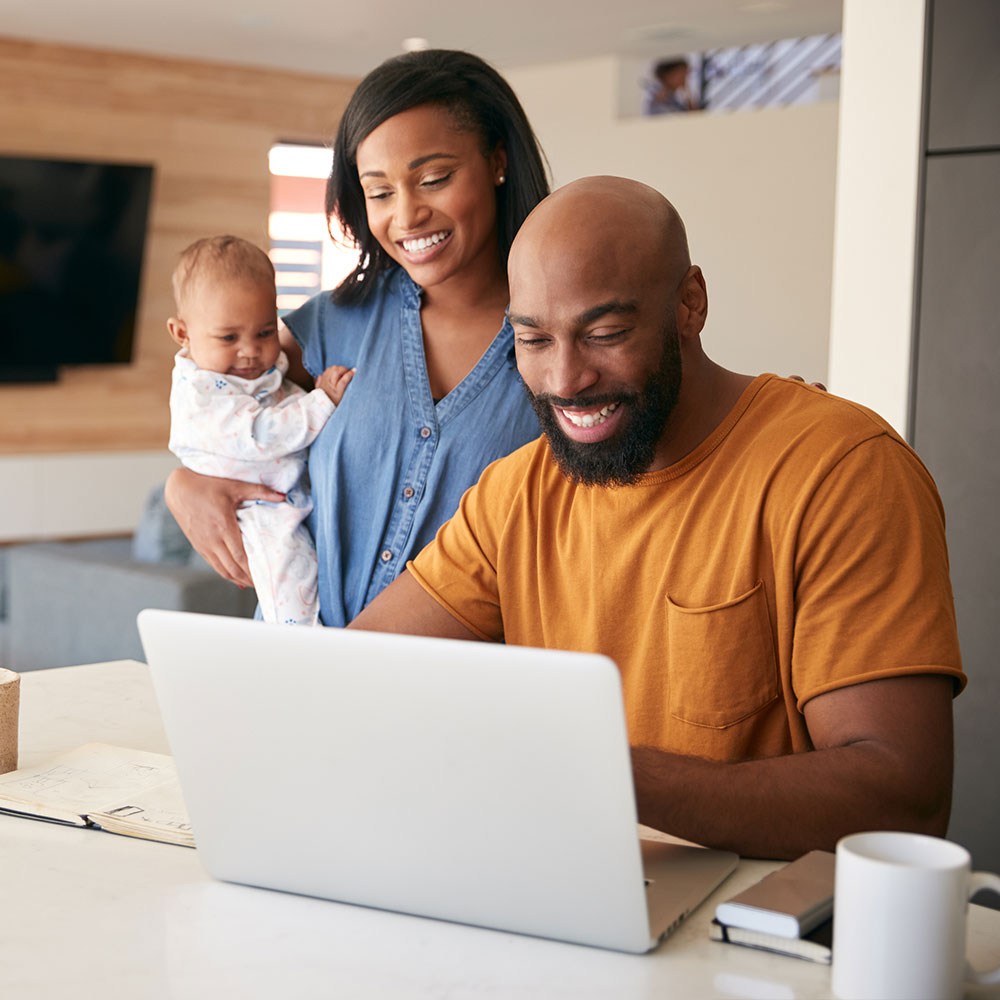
334 381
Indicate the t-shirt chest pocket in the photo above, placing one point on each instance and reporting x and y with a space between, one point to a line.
722 667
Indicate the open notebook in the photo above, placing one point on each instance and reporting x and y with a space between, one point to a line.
479 783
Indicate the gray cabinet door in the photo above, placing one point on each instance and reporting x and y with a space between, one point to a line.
956 431
964 74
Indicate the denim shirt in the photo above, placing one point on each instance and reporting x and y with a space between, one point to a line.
390 466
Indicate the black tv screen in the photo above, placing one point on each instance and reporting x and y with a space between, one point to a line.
71 245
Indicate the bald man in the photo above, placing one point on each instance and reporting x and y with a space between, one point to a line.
765 563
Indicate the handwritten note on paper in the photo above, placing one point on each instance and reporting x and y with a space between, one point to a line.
123 791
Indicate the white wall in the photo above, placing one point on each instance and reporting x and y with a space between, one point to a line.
878 188
756 190
52 496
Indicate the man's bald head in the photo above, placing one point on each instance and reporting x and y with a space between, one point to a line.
595 222
604 303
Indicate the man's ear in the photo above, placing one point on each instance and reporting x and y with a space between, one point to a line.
177 329
692 303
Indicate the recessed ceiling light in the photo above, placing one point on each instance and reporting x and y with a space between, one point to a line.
660 32
415 44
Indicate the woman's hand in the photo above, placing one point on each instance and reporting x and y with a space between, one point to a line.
815 385
205 509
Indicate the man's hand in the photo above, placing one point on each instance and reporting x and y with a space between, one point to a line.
882 761
205 509
334 381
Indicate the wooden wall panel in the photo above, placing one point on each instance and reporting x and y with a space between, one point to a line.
207 129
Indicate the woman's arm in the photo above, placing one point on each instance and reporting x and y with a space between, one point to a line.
205 509
297 371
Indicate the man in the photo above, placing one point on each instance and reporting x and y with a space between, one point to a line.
765 563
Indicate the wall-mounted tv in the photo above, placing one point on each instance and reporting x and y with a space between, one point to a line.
71 244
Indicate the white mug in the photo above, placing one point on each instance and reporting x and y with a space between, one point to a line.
899 912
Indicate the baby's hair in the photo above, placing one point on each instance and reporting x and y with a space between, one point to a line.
225 257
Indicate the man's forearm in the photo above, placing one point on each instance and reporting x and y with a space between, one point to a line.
883 761
784 806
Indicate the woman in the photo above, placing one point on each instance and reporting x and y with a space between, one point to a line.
435 168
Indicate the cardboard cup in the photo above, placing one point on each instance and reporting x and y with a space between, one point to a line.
10 689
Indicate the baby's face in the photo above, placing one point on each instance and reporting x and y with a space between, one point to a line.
231 327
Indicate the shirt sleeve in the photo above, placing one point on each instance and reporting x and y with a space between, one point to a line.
459 567
873 595
236 426
307 324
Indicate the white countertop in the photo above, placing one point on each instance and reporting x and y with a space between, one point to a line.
85 914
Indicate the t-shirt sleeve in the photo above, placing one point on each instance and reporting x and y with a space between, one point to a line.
308 324
873 595
459 567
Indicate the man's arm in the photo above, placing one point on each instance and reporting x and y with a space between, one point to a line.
882 760
404 606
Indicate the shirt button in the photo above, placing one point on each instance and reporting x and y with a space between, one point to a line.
386 555
425 432
408 492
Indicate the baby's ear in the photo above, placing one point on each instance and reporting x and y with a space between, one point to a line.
177 329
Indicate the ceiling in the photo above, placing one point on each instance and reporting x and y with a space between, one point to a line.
348 39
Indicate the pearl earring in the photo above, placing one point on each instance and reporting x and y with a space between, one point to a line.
501 178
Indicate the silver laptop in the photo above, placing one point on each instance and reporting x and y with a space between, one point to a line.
473 782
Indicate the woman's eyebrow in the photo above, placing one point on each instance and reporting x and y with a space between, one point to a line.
421 160
412 165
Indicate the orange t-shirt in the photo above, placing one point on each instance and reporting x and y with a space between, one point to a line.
800 548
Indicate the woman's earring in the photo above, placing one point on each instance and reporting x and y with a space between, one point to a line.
501 178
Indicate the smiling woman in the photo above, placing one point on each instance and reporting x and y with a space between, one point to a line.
428 208
435 168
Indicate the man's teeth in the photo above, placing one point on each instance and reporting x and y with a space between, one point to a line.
590 419
423 242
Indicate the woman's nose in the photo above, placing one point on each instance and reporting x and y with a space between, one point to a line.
411 211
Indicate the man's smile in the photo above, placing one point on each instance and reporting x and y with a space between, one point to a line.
588 425
589 419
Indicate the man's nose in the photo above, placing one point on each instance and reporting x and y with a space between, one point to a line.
570 373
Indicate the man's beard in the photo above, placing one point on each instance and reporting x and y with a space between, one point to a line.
621 459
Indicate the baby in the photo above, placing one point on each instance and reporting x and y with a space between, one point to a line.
234 414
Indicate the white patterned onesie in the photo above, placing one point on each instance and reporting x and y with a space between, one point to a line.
258 431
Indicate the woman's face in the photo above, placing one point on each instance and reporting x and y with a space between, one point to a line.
430 195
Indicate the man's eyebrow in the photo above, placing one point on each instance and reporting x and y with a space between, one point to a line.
522 320
604 308
615 306
412 165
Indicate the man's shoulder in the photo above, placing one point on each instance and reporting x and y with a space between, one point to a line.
801 435
795 408
529 462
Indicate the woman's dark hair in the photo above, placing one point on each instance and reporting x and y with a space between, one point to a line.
479 99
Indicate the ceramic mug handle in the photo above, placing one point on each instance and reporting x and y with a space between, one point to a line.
977 881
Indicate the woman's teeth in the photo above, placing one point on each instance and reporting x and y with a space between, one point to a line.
423 242
590 419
